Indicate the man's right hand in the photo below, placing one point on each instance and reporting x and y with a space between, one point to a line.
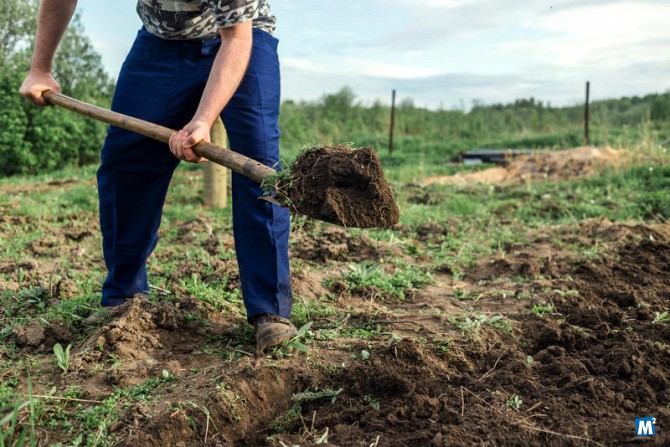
37 83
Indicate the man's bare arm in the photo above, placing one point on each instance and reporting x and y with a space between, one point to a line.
55 15
227 72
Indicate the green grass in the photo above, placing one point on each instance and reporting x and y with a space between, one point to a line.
395 285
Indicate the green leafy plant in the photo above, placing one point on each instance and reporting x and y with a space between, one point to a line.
372 401
514 402
298 400
62 356
396 285
471 325
307 396
661 317
543 309
297 341
279 184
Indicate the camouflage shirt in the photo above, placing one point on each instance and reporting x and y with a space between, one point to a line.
201 19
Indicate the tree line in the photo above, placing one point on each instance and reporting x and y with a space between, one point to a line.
524 123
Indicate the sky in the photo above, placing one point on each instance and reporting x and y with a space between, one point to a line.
447 54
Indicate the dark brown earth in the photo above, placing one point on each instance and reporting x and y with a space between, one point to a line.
343 186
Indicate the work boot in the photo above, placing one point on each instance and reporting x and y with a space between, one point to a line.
105 313
271 331
100 316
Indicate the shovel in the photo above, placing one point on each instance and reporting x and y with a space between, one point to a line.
232 160
333 184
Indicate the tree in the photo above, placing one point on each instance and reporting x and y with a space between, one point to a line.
18 20
660 107
33 139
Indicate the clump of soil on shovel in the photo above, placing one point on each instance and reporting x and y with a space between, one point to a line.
341 185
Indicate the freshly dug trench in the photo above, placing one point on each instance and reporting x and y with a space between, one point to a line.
340 185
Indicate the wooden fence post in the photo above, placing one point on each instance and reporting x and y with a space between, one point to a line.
586 114
392 122
216 176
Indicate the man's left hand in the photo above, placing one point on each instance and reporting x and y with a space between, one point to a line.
182 141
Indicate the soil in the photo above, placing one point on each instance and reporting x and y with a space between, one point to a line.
549 165
343 186
400 372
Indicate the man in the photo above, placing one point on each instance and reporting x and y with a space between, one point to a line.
192 61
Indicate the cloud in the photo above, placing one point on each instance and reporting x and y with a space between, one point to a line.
360 66
607 36
460 90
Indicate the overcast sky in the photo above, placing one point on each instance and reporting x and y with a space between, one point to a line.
448 53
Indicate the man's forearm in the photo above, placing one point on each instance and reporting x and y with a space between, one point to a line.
227 72
54 18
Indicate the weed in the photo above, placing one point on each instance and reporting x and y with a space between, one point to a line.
514 402
661 317
442 345
301 336
35 297
328 334
279 184
96 420
11 433
307 396
215 294
464 295
62 357
472 325
372 402
542 309
298 400
368 275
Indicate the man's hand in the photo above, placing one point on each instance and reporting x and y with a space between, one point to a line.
53 20
181 142
37 83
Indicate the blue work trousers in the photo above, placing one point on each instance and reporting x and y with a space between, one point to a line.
162 81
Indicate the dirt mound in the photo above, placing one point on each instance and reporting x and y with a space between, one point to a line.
637 278
144 338
549 165
605 347
546 254
342 186
576 376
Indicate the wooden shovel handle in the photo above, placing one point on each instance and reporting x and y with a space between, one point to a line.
230 159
